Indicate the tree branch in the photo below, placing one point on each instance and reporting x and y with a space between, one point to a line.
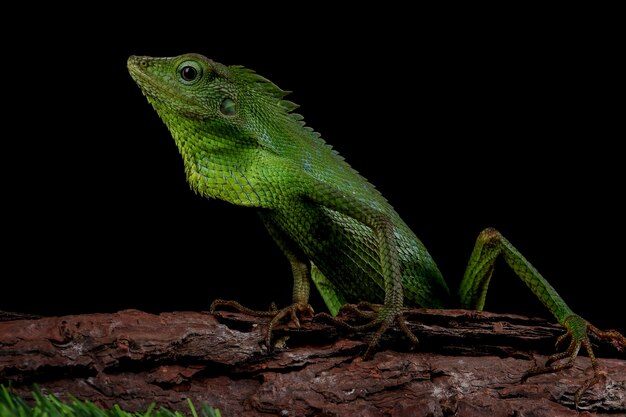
468 364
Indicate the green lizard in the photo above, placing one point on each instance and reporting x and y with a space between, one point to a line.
241 142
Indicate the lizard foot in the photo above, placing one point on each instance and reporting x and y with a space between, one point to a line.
578 330
379 315
276 315
235 305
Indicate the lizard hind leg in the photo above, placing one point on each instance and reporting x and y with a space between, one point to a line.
577 331
473 290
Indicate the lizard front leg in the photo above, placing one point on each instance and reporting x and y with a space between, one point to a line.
473 291
382 226
301 270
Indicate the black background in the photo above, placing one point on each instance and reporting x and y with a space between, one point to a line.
462 120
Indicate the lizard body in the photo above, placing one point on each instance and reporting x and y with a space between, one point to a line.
241 142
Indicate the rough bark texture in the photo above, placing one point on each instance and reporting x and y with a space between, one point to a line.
468 364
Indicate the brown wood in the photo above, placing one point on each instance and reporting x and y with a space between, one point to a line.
468 364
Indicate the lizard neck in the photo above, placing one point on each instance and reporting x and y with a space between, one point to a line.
214 168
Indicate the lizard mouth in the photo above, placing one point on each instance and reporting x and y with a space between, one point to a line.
154 87
137 67
161 91
150 86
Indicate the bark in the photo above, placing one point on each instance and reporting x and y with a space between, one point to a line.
468 364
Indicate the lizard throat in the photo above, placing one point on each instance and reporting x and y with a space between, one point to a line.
213 171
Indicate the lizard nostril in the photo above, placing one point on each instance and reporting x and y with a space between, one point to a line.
143 64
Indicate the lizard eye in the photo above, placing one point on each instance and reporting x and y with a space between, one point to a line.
228 107
189 72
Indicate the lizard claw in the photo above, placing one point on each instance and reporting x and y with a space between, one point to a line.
380 316
273 312
387 317
578 330
292 311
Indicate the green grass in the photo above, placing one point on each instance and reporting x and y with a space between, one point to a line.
50 406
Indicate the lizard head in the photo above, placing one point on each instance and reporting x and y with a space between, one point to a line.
190 91
228 122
